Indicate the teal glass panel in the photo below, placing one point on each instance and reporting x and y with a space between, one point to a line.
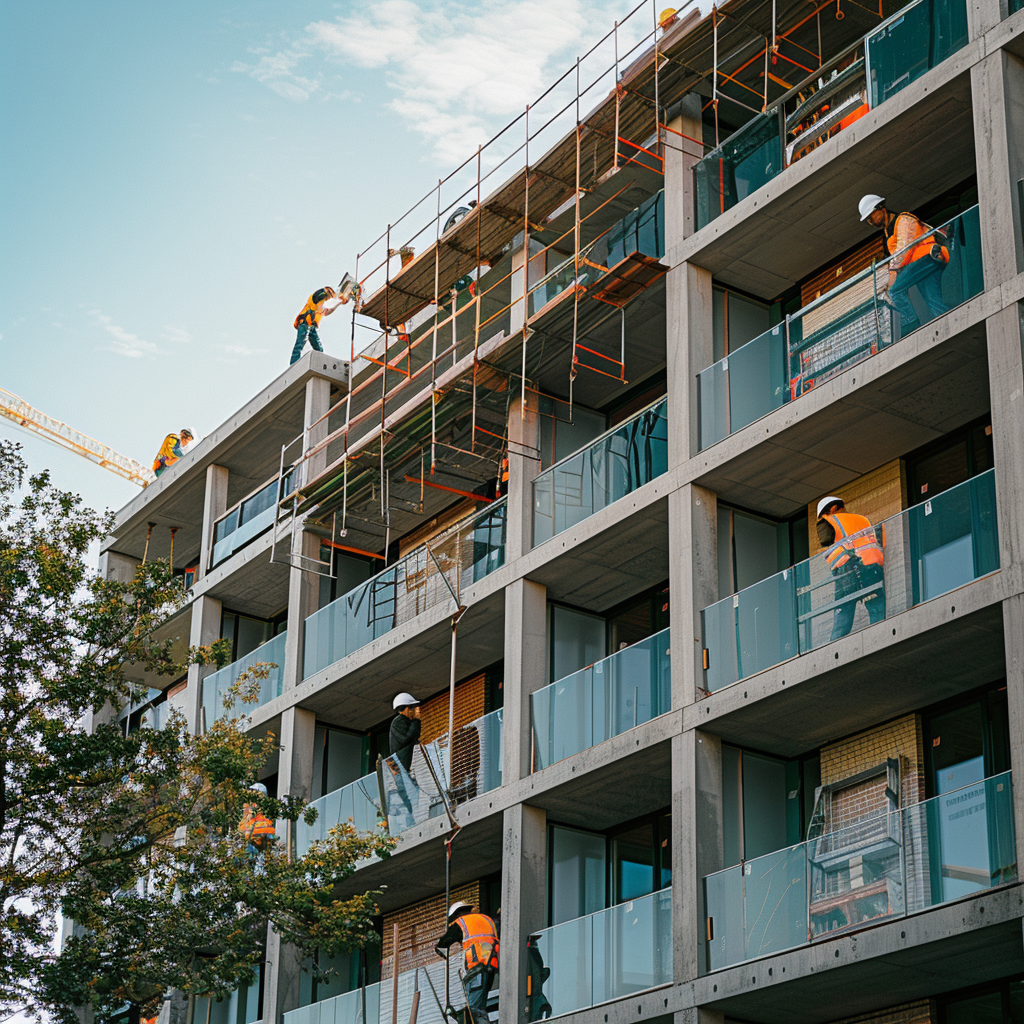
743 163
603 956
641 231
617 693
242 524
911 43
216 685
423 579
357 802
616 464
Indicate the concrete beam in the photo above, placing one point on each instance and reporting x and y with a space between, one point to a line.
215 504
526 670
115 566
523 901
206 617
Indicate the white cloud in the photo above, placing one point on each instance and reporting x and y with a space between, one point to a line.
277 72
123 342
175 335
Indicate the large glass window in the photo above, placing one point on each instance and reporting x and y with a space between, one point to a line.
949 461
735 320
577 640
750 548
578 872
337 759
564 430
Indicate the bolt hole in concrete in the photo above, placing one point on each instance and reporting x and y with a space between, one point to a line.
894 632
981 910
716 989
837 655
769 972
744 694
953 608
837 954
903 935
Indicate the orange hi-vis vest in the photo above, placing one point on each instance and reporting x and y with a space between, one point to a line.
255 826
865 546
917 232
166 456
310 313
479 940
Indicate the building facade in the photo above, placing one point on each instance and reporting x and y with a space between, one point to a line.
707 769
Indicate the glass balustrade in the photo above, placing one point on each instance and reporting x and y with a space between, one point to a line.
423 790
624 690
928 550
357 802
360 1006
247 520
216 685
616 464
910 43
871 870
158 716
422 580
846 325
603 956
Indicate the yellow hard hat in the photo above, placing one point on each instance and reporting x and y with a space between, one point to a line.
666 15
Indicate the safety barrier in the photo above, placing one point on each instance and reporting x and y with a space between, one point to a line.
882 867
603 700
929 550
616 464
844 326
603 956
216 685
357 802
252 516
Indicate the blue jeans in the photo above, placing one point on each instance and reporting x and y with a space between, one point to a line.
305 331
852 580
478 983
926 273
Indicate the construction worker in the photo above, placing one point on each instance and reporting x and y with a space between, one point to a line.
171 450
255 826
308 320
402 738
478 934
856 558
923 256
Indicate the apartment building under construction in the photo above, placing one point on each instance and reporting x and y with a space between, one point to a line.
561 485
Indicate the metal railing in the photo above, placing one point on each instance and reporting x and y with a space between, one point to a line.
888 866
624 690
929 550
621 460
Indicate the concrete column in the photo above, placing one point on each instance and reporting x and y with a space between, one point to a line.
1013 633
689 349
206 616
696 844
523 466
523 902
115 566
997 88
303 600
693 581
526 670
295 778
318 401
681 154
215 504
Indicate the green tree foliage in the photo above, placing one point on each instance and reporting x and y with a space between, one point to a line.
134 837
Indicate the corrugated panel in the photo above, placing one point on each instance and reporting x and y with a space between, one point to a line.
827 279
419 927
469 706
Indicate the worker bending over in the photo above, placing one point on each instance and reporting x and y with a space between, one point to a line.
923 257
171 450
308 320
856 559
478 934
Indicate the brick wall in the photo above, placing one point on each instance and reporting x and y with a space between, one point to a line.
419 927
923 1012
469 706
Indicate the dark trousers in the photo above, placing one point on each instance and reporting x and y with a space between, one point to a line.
305 331
478 983
849 581
926 274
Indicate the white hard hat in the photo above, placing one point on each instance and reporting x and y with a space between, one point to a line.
830 500
868 204
457 908
404 700
258 787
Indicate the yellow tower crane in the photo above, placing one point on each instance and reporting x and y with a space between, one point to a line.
19 411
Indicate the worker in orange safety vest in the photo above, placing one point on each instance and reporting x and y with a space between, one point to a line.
255 825
478 934
171 450
856 558
919 257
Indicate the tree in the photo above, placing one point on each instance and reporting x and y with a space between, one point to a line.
133 836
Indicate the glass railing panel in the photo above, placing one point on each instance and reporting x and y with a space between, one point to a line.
415 793
873 869
848 324
604 956
911 43
355 1007
558 280
216 685
748 159
357 802
624 690
641 231
242 524
423 579
616 464
926 551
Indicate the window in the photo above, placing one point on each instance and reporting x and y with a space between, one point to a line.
564 430
949 461
577 640
736 319
577 873
247 633
337 759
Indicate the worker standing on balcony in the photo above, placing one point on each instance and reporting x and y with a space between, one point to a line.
478 934
308 320
921 257
856 558
171 450
402 738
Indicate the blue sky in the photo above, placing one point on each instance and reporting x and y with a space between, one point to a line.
178 175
